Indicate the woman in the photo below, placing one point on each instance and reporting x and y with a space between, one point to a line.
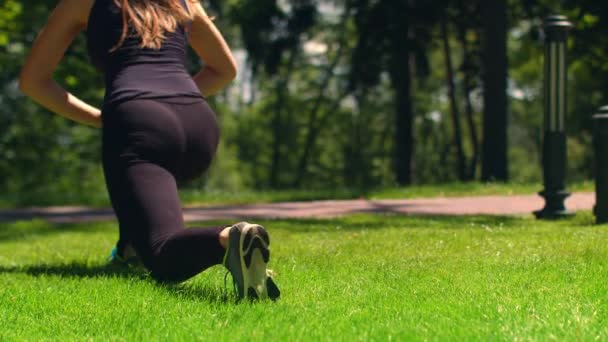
157 128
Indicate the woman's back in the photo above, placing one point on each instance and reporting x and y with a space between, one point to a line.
133 72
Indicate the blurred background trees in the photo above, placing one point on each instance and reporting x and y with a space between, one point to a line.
337 93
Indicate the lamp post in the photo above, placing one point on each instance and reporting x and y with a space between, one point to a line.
600 144
554 142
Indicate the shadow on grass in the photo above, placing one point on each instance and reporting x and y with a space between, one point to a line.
75 270
33 229
24 230
198 293
83 270
582 219
382 221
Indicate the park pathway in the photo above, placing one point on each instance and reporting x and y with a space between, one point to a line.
481 205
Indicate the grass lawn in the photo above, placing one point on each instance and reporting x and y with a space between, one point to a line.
198 197
364 277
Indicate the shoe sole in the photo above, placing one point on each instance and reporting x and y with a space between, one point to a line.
254 254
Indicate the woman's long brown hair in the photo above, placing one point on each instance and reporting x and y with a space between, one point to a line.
152 19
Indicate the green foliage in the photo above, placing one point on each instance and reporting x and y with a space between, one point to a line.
294 120
40 153
359 278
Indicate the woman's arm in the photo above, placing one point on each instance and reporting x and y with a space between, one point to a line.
36 80
220 67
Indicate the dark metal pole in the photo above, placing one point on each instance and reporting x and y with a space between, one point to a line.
554 142
600 144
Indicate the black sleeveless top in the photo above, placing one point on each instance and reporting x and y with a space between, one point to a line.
132 72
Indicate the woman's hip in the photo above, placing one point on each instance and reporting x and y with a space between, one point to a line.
175 132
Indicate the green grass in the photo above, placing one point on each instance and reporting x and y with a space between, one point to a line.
364 277
197 197
470 189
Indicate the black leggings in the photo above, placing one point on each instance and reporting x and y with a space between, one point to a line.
148 147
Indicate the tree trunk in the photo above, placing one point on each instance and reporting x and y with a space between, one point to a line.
400 75
456 127
277 121
467 88
494 148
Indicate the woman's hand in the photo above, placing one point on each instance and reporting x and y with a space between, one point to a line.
220 67
36 81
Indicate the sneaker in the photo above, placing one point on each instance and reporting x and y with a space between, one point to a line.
246 258
126 257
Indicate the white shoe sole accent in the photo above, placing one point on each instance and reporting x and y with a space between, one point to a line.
254 276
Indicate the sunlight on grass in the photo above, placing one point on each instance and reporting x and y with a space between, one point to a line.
358 278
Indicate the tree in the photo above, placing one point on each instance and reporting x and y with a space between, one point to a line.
457 130
387 41
494 146
272 38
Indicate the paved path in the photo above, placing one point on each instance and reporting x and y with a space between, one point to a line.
484 205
